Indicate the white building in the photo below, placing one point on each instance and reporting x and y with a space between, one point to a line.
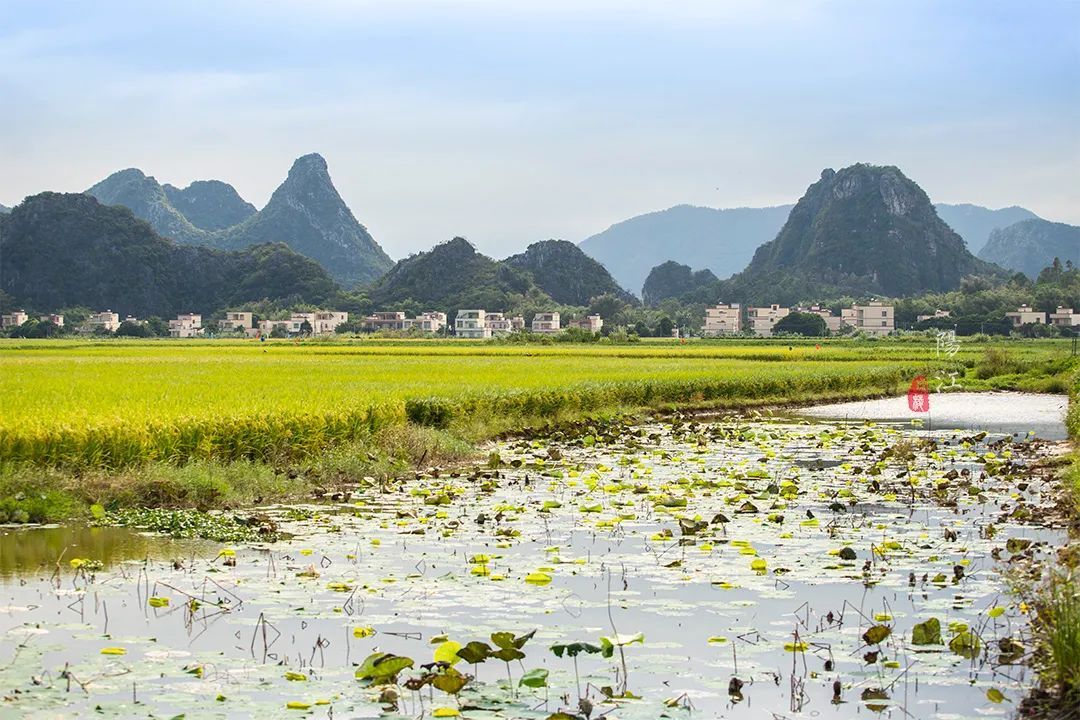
1026 315
186 325
761 320
471 324
833 323
590 323
14 319
327 321
1065 317
875 318
107 321
391 320
546 323
723 319
237 321
430 322
937 314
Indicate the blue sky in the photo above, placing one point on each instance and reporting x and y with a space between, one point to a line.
510 122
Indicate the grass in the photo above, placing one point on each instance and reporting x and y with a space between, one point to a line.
213 424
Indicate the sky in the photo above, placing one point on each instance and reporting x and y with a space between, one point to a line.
510 122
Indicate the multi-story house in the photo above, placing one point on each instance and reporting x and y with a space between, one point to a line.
236 321
1065 317
392 320
723 319
471 324
1026 315
14 319
430 322
498 324
107 321
328 321
547 323
875 318
591 323
186 325
54 318
833 323
761 320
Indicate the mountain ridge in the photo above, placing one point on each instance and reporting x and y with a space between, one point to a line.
1031 245
305 212
68 249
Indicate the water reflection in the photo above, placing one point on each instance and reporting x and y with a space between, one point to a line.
28 550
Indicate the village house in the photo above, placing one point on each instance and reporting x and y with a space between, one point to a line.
1026 315
1065 317
106 321
937 314
430 322
546 323
54 318
472 324
328 321
590 323
875 318
237 321
833 323
723 319
186 325
388 320
14 319
761 320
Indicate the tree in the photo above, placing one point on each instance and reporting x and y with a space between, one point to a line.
664 327
157 326
133 329
279 331
305 328
799 323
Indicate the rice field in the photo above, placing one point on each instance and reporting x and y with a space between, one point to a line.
115 404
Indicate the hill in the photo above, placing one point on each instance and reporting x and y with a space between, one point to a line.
670 280
1031 245
567 274
863 230
451 276
4 209
210 204
64 250
722 241
144 196
975 223
305 212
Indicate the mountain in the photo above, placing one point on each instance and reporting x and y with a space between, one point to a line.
209 204
1031 245
4 209
567 274
63 250
722 241
863 230
451 276
670 279
975 223
305 212
145 197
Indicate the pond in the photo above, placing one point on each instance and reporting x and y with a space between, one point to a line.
730 568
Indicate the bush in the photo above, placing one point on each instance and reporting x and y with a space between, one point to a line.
429 412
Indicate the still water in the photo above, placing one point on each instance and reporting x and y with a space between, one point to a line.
741 564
